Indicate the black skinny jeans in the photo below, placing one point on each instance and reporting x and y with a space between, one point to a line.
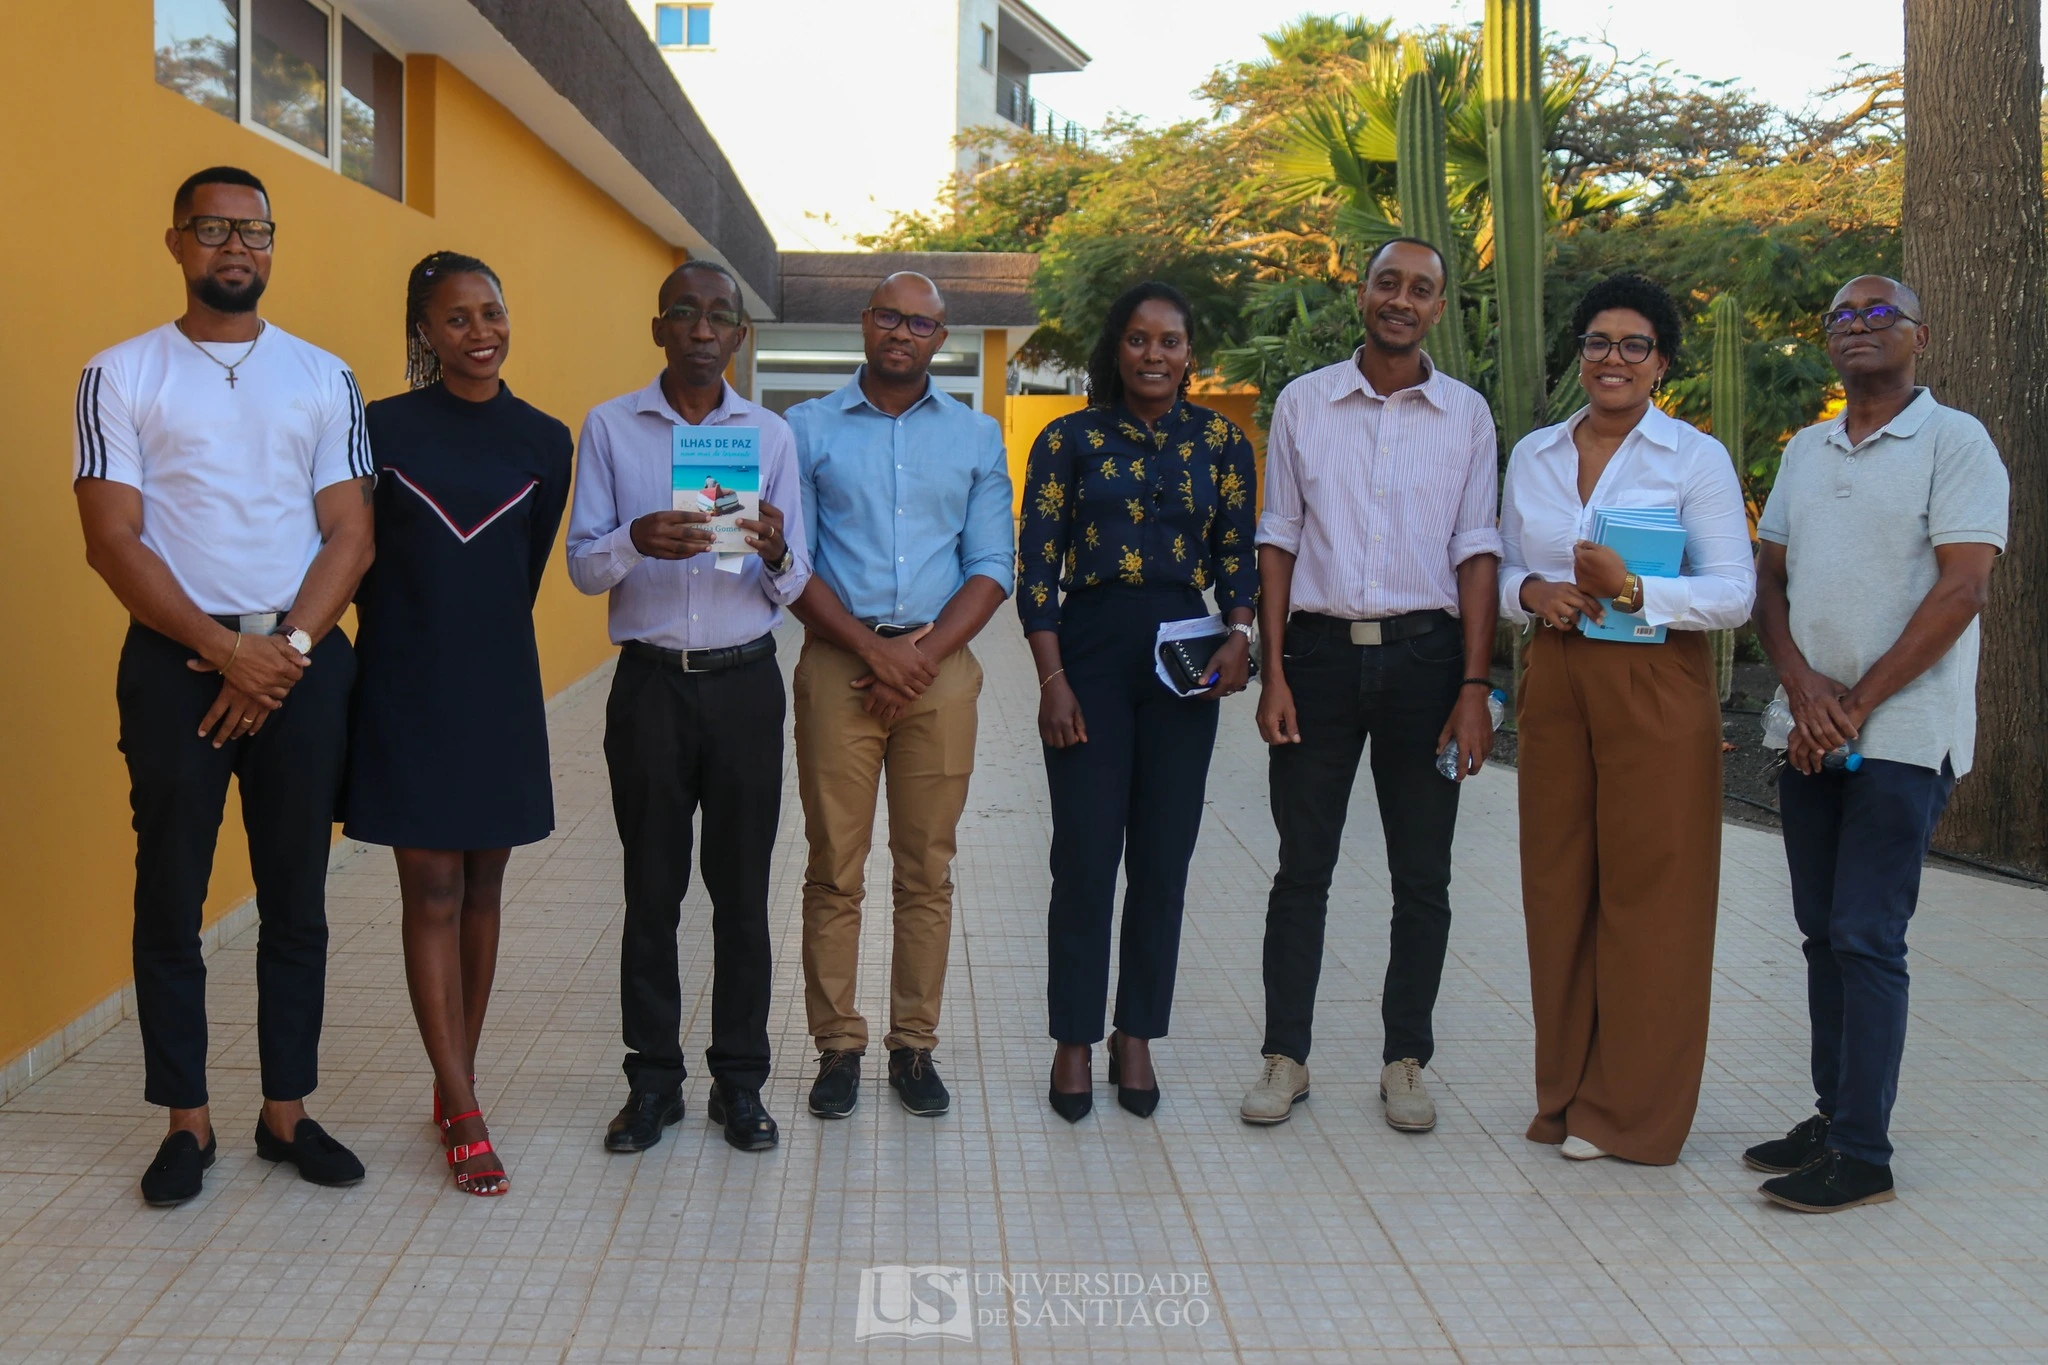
1399 696
1132 794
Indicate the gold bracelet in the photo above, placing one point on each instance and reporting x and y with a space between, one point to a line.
1049 677
231 655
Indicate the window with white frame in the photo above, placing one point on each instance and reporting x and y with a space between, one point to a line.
988 48
271 65
682 25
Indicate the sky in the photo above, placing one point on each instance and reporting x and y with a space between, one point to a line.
1148 58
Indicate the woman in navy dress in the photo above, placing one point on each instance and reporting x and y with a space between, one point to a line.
448 758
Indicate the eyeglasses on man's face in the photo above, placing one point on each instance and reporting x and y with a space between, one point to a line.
1634 349
888 320
686 315
1877 317
256 233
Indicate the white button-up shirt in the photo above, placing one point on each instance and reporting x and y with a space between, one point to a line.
1662 463
1379 498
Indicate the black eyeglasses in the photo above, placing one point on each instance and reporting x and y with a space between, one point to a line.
256 233
1634 349
687 314
1877 318
888 320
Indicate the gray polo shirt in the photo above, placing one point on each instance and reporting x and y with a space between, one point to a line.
1859 525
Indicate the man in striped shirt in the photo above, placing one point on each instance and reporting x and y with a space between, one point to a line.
223 480
1378 556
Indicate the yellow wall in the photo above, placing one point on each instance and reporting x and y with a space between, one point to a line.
1026 414
95 148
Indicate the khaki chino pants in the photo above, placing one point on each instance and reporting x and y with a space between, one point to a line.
841 753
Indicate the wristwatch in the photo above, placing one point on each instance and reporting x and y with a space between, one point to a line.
296 638
781 565
1244 628
1630 598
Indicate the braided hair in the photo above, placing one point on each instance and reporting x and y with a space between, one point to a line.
422 366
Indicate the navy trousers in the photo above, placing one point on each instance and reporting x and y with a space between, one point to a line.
1854 843
1132 794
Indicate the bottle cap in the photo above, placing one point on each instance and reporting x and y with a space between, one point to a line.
1852 763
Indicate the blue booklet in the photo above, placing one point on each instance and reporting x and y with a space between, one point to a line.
718 470
1651 543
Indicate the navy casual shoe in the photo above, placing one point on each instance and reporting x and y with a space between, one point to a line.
1796 1150
837 1088
1834 1182
178 1173
917 1082
320 1159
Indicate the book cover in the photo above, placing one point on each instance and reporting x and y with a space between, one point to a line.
717 470
1651 544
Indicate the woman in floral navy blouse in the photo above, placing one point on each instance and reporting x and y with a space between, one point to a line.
1133 507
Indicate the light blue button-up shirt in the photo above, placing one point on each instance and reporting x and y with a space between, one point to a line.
900 511
623 472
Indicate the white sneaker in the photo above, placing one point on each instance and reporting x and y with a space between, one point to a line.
1578 1149
1281 1085
1409 1107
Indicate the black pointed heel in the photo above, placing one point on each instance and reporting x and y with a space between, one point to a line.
1071 1107
1139 1102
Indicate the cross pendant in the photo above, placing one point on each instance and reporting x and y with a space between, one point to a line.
231 379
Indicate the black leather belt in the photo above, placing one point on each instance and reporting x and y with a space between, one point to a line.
1385 631
888 632
703 660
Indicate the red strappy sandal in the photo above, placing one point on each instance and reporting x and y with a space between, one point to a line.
466 1181
437 1099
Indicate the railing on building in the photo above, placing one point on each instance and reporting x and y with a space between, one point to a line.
1014 102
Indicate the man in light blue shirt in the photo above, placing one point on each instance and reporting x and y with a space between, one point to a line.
906 501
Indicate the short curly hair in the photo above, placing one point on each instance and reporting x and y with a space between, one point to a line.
1639 294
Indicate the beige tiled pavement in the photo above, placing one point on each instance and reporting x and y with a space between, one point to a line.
1331 1238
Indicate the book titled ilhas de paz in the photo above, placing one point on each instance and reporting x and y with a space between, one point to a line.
718 470
1651 543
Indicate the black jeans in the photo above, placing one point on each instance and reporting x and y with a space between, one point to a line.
1854 844
1132 794
1399 696
289 773
676 743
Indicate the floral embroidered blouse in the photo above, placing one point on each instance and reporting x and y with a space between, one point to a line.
1107 500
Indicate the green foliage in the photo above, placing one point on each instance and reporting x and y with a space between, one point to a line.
1513 76
1729 380
1423 182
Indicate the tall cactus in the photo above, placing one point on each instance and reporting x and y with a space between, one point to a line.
1513 89
1730 384
1422 181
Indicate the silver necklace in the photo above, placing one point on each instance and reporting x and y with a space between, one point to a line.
241 360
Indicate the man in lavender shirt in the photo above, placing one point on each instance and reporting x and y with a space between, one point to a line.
694 722
1378 559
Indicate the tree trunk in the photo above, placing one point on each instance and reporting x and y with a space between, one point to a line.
1975 252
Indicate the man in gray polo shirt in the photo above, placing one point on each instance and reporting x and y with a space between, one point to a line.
1878 542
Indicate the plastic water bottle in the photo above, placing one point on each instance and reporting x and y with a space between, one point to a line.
1447 761
1778 726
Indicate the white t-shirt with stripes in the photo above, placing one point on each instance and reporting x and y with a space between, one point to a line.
227 472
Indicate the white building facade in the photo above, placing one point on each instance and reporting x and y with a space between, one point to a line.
837 114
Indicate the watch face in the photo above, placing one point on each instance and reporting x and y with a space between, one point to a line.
299 640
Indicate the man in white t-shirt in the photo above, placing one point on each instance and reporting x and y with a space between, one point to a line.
223 479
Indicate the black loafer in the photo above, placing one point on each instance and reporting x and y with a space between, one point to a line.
1798 1149
178 1173
917 1082
747 1124
1834 1182
837 1088
638 1125
320 1159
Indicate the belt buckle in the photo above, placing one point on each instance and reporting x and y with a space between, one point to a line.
257 622
683 661
1365 633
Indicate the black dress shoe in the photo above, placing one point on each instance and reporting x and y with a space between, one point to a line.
747 1124
1073 1106
1139 1102
178 1172
1797 1149
1835 1182
638 1125
917 1082
320 1159
837 1088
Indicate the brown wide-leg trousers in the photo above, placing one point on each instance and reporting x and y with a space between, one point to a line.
1620 794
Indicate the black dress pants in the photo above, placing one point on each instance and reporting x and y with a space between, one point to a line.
677 743
1133 793
1398 696
290 778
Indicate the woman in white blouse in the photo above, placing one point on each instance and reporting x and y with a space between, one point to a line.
1620 740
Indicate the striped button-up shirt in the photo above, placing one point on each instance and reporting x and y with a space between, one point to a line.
623 472
1379 498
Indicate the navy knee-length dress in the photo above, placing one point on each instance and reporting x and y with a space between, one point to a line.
449 746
